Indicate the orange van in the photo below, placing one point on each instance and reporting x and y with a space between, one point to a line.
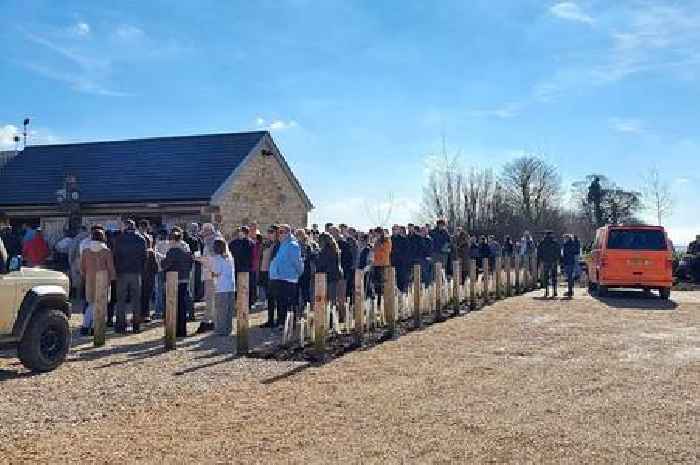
632 257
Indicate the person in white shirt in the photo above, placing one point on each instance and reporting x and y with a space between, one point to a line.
224 273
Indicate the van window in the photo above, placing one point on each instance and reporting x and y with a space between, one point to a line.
637 239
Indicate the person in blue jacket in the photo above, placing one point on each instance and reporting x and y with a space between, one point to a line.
285 270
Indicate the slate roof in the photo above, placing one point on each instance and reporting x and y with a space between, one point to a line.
156 169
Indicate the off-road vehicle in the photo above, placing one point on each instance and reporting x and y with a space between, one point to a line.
34 314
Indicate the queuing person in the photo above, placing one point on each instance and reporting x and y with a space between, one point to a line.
160 250
549 255
484 252
242 249
329 262
196 246
508 247
382 260
148 280
96 258
462 246
256 237
179 259
208 234
129 262
224 272
494 251
348 257
285 269
441 243
35 250
12 241
569 259
309 254
144 230
270 246
527 244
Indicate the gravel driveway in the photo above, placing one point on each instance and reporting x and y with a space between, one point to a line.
524 380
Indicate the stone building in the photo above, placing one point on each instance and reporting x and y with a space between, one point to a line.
229 179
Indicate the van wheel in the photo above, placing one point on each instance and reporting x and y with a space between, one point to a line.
45 342
665 293
601 291
591 288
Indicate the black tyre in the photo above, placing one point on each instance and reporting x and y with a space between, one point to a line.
665 293
591 287
601 291
45 342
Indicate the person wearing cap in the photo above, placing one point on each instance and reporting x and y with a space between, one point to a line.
549 255
129 261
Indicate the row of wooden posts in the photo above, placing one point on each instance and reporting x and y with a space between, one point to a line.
510 276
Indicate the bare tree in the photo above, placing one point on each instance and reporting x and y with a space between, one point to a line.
379 213
532 188
657 195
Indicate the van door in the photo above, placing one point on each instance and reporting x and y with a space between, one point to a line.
596 251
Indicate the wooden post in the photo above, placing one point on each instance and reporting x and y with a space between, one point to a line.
509 277
472 284
170 309
99 308
389 299
242 312
438 291
486 281
498 271
535 274
456 281
320 312
358 303
417 319
516 265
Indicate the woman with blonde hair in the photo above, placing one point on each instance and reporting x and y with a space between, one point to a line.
96 257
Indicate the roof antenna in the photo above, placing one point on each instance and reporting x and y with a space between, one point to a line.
26 125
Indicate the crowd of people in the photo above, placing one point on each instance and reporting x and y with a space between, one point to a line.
281 264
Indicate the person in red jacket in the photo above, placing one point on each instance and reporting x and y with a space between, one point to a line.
35 251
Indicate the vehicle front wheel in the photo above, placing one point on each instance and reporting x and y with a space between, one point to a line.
665 293
45 342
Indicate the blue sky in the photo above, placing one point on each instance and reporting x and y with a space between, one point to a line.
359 94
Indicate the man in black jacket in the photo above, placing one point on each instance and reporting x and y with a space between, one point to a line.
178 259
549 255
129 260
242 252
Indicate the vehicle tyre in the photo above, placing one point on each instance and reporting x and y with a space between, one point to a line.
665 293
45 342
591 287
601 291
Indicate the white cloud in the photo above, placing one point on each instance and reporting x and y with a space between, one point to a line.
509 110
81 29
82 72
7 136
626 125
570 11
129 32
40 136
274 125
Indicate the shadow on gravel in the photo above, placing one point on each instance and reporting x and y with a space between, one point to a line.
6 375
635 300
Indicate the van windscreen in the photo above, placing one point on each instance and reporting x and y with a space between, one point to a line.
636 239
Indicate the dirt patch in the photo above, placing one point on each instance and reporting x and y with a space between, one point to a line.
524 380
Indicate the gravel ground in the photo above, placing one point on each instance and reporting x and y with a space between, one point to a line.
524 380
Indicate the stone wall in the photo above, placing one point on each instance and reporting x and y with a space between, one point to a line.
262 192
